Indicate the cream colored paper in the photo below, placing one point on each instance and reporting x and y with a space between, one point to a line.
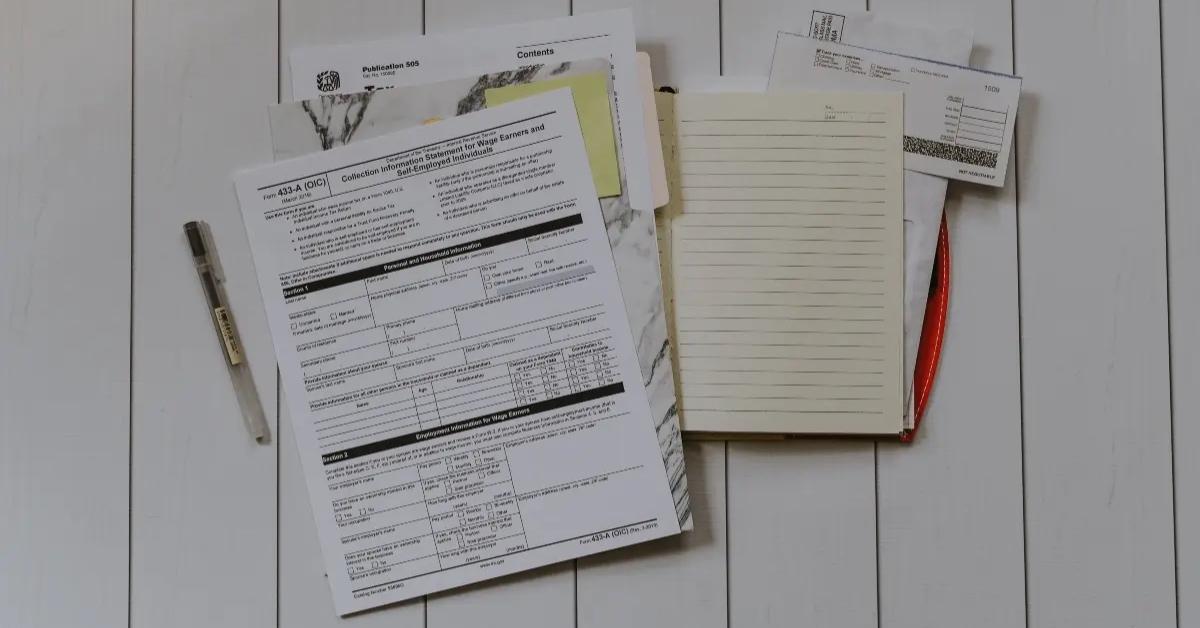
786 249
590 92
654 153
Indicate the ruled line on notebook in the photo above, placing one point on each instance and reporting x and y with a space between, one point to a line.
847 135
686 121
781 161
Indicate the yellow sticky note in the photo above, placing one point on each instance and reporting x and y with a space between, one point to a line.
591 105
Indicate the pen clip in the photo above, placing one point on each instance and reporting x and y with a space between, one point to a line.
199 236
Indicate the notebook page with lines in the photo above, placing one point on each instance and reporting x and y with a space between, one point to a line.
784 243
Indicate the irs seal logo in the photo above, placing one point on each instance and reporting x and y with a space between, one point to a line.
328 81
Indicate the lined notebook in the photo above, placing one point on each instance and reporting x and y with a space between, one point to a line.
783 261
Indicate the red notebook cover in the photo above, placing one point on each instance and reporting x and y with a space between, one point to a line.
933 331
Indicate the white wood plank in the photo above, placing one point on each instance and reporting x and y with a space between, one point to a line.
678 581
682 36
543 597
802 535
204 493
64 307
304 596
1094 315
445 15
1181 90
951 544
749 28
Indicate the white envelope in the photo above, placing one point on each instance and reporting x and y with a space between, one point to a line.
958 122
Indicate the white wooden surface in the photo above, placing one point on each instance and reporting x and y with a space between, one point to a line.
1054 483
65 210
1095 364
1181 95
202 493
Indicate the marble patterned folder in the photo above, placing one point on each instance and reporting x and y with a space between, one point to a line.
322 123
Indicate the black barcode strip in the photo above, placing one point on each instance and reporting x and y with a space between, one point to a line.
951 152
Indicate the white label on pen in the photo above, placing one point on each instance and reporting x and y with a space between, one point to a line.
233 350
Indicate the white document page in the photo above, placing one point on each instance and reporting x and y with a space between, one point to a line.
958 121
350 68
786 253
322 123
451 337
658 169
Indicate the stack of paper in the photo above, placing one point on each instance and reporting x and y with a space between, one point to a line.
596 59
490 339
937 140
466 308
943 98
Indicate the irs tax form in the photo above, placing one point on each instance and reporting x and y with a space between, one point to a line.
331 121
464 387
368 66
958 121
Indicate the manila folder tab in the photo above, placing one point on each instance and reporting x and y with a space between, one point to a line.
654 150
